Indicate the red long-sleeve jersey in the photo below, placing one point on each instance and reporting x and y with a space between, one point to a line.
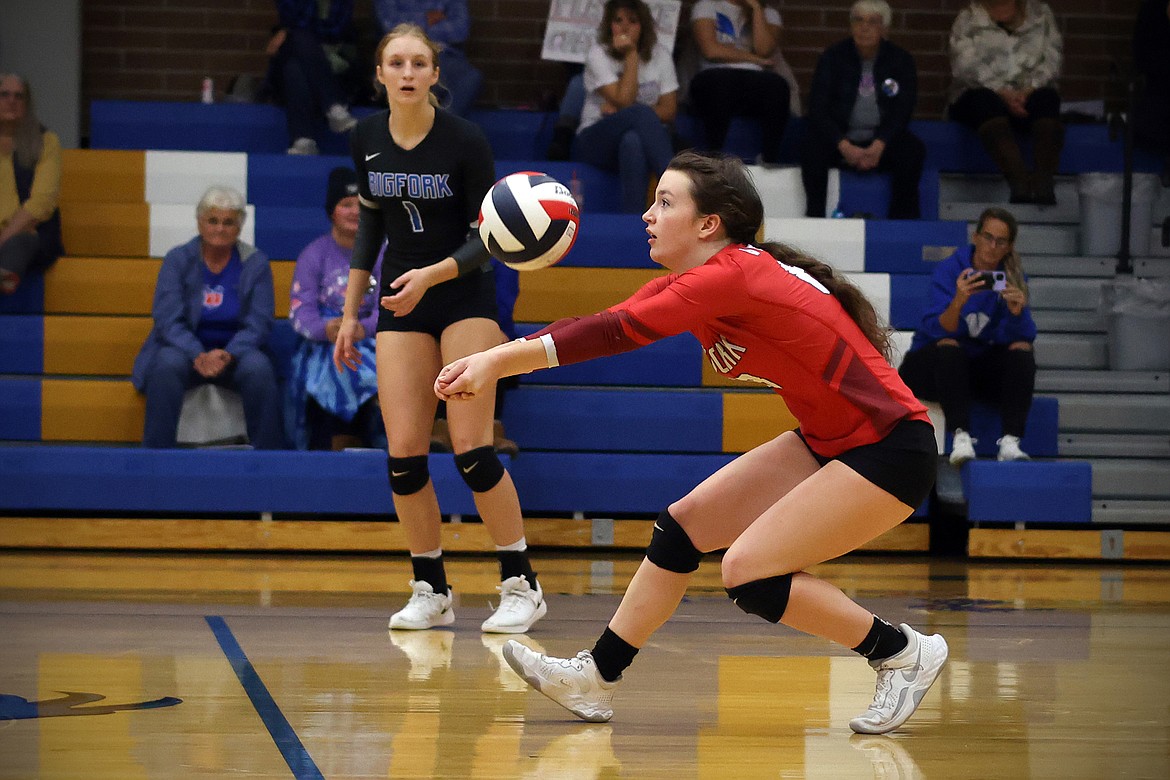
760 320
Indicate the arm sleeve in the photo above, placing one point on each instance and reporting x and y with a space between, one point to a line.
46 186
819 98
1048 70
664 307
304 311
369 239
257 307
479 171
964 57
169 308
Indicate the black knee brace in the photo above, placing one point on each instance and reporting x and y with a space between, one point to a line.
767 598
670 547
408 475
480 468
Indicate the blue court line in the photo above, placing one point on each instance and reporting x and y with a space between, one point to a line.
295 755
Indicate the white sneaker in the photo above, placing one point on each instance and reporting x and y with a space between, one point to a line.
574 683
903 679
303 146
1009 449
520 607
962 447
427 651
426 609
340 120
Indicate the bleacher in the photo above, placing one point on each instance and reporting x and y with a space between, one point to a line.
604 445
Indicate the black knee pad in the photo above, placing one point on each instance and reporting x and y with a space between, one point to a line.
767 598
670 547
408 475
480 468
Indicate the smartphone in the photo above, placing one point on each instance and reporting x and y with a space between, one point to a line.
993 280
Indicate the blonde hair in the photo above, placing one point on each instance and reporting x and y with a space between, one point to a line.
414 31
29 138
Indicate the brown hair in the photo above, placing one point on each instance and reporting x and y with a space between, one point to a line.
405 29
1011 261
647 39
722 185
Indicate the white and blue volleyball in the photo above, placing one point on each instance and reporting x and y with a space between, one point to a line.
528 220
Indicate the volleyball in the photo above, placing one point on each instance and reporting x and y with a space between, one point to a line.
528 220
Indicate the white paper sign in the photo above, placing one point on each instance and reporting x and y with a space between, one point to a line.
572 26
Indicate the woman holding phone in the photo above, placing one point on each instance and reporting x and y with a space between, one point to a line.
975 338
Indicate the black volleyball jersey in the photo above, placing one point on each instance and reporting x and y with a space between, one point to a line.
428 196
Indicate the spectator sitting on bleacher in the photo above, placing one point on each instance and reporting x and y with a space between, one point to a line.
1151 56
213 311
736 40
30 181
448 23
306 53
328 409
1006 56
975 340
631 99
863 95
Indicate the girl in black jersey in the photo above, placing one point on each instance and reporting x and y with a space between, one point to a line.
422 174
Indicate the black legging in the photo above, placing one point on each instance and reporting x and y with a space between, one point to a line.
948 375
718 94
976 106
902 159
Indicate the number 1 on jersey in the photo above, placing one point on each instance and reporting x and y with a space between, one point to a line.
416 224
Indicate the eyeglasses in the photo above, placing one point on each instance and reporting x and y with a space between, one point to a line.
994 240
872 21
7 93
229 222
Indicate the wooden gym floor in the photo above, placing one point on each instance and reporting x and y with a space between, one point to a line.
183 666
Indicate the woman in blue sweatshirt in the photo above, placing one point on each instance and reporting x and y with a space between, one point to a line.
975 338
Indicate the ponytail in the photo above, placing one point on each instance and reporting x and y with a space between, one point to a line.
852 300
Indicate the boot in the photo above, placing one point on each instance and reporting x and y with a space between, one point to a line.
1000 142
502 443
1047 141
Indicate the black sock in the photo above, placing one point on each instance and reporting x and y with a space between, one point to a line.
514 563
882 641
430 571
612 655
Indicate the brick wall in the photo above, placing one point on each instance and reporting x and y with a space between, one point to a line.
162 49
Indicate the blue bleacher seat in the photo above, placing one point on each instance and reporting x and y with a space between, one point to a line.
1029 492
908 297
602 189
901 247
516 133
606 419
22 344
291 180
283 231
29 297
20 415
610 241
1040 437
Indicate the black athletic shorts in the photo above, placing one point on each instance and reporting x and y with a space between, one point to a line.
468 296
903 464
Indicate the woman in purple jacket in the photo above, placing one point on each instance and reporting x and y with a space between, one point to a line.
328 409
975 339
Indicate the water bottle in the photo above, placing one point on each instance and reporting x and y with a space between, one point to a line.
207 95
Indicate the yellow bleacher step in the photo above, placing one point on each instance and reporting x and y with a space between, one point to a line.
107 229
750 419
102 346
125 285
552 293
91 410
103 176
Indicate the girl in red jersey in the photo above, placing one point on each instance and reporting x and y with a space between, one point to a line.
862 459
